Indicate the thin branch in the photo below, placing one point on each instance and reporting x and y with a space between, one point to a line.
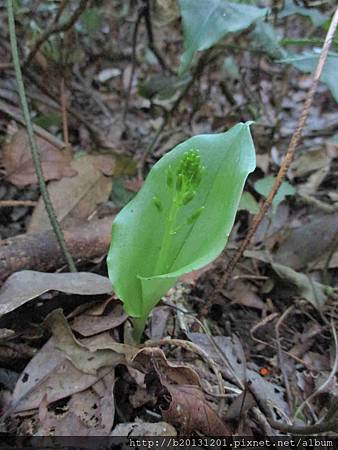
288 158
12 203
55 28
140 14
31 139
41 132
151 41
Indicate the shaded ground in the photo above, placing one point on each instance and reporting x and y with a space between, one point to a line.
264 343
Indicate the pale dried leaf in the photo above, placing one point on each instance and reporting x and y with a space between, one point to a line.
144 429
82 356
75 199
18 163
21 287
189 411
88 325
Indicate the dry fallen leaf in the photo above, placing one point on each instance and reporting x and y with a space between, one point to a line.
50 374
189 411
76 198
23 286
148 357
19 167
88 325
88 413
143 429
269 395
82 356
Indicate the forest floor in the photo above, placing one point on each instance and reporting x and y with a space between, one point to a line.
255 356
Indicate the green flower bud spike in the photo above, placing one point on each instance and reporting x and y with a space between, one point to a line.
158 203
186 180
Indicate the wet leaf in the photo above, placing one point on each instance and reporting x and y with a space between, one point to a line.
76 198
18 163
21 287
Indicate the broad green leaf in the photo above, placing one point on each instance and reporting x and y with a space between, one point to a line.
162 87
205 22
264 186
307 63
139 229
290 8
248 203
267 38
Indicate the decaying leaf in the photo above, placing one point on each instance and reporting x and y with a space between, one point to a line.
82 355
312 291
144 429
304 245
18 163
21 287
269 395
88 324
146 358
88 413
49 374
76 198
189 411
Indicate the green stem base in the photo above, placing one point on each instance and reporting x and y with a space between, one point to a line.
139 326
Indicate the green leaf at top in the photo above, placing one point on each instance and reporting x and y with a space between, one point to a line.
290 8
307 63
202 224
264 186
205 22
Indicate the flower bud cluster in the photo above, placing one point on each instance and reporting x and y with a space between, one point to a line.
187 177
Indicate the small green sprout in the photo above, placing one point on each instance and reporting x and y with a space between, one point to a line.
180 220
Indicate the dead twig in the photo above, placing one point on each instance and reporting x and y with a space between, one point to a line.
63 102
281 355
40 250
14 114
32 141
11 203
329 378
54 29
140 14
288 158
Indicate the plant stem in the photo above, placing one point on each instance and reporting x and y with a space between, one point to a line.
139 324
169 230
32 142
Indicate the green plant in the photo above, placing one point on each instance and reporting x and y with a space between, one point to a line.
181 218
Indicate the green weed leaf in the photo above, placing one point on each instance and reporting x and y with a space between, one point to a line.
205 22
198 185
307 63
